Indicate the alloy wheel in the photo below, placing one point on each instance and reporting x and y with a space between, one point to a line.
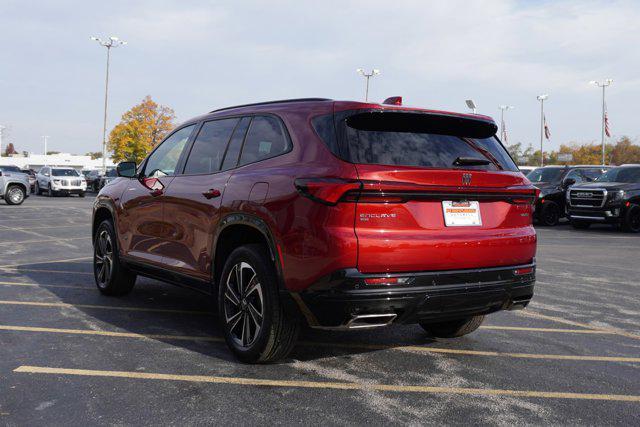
16 195
243 304
103 264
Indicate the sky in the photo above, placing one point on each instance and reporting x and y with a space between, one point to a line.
195 56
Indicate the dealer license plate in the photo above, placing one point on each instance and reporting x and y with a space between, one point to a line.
461 214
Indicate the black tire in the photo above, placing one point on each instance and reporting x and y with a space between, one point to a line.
276 335
549 214
81 194
112 278
580 225
15 195
453 328
38 190
50 192
631 222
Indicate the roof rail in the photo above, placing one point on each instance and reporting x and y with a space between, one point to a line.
282 101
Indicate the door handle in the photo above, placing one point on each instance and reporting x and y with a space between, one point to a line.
157 192
211 193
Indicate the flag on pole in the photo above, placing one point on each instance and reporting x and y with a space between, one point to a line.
607 131
547 132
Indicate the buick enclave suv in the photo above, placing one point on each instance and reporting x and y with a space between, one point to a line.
342 214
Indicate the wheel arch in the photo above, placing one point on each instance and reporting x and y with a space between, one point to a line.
101 212
239 229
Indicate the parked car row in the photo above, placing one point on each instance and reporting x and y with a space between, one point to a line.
588 194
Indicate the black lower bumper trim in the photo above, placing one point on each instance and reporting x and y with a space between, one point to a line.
335 300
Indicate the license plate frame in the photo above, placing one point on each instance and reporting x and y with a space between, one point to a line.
464 213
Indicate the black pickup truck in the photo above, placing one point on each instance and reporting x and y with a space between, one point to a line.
553 182
614 198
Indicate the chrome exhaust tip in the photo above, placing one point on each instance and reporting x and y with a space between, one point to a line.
362 321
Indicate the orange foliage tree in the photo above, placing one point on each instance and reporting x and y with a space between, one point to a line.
140 129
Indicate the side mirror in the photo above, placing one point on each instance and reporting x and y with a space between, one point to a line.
568 182
126 169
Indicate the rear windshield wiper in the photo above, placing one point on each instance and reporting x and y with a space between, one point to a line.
470 161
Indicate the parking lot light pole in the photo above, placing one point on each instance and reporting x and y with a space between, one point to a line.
367 76
541 98
603 85
111 42
1 129
502 109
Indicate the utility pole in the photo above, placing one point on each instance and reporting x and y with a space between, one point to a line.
111 42
603 85
367 76
502 127
2 128
541 98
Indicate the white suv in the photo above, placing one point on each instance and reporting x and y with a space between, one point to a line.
60 180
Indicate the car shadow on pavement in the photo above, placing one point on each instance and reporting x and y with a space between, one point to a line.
156 308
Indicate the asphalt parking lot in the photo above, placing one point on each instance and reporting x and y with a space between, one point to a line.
71 356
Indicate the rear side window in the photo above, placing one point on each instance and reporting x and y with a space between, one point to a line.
209 147
422 140
235 145
266 138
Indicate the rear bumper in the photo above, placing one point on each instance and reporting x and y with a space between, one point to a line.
335 301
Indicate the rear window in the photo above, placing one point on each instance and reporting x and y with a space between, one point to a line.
545 175
414 139
266 138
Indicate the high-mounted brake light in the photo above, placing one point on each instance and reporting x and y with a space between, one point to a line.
328 191
394 100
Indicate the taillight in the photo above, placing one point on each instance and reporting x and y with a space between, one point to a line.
328 191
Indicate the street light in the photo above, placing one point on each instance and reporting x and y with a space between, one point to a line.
1 129
603 85
111 42
541 98
502 129
471 105
367 76
45 138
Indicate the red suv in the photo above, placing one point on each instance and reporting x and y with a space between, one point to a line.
345 214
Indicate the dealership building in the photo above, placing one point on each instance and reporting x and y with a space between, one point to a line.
36 161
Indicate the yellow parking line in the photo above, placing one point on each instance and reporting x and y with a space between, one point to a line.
33 270
620 359
40 285
45 240
57 261
109 333
101 307
552 330
45 227
325 384
614 331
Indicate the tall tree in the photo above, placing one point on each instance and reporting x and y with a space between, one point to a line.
139 130
10 150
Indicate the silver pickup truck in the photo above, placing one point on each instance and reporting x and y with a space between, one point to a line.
14 185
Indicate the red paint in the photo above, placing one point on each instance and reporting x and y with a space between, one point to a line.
310 204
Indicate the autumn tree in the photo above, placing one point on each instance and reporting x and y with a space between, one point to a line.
139 130
10 150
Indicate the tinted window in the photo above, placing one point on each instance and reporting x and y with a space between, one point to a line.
265 139
209 147
575 175
164 159
409 139
65 172
10 169
591 174
111 172
621 175
545 174
231 157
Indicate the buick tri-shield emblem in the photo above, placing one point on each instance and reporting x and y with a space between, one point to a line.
466 179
